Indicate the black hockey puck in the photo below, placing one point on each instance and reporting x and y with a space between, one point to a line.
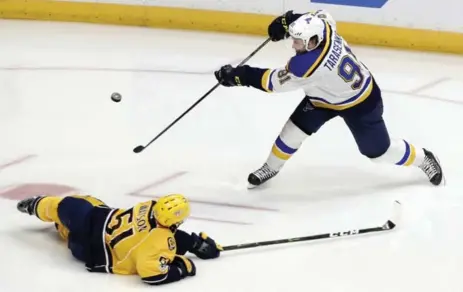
116 97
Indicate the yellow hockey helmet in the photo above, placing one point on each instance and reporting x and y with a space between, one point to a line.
171 210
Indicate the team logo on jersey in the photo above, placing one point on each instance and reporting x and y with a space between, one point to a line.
308 107
163 265
171 243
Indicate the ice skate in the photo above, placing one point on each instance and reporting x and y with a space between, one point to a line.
28 205
261 175
431 167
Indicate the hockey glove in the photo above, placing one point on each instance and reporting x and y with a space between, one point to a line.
205 247
229 76
185 266
278 28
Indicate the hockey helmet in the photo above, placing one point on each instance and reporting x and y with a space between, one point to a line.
171 210
325 15
305 28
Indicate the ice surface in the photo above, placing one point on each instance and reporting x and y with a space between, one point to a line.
61 132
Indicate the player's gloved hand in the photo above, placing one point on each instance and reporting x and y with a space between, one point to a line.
205 247
185 265
229 76
278 28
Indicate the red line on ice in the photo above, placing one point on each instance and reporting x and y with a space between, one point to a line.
158 182
17 161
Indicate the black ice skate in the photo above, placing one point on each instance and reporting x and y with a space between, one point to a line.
261 175
431 168
29 205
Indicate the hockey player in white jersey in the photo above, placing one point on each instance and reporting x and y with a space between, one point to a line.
336 84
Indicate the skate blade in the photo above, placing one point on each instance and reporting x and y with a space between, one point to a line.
251 186
444 180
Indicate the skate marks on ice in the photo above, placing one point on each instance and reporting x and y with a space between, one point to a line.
24 190
140 193
287 198
211 202
158 182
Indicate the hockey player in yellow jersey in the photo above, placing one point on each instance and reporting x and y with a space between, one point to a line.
143 240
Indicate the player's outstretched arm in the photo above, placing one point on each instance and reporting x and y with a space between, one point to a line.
205 247
200 245
268 80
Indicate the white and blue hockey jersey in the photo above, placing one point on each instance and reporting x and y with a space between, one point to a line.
331 75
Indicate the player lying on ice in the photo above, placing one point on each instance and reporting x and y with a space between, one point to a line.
335 83
143 240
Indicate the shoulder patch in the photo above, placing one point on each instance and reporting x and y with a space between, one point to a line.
171 243
300 65
163 264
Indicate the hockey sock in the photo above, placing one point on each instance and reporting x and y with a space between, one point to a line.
400 152
47 209
287 143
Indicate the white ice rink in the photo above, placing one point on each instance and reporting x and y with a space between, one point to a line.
61 132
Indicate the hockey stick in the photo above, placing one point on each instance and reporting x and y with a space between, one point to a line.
140 148
389 225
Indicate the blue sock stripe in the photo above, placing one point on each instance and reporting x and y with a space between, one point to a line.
283 147
406 155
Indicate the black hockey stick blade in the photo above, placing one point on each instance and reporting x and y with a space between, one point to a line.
389 225
140 148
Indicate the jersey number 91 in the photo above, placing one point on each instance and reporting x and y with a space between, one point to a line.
348 70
